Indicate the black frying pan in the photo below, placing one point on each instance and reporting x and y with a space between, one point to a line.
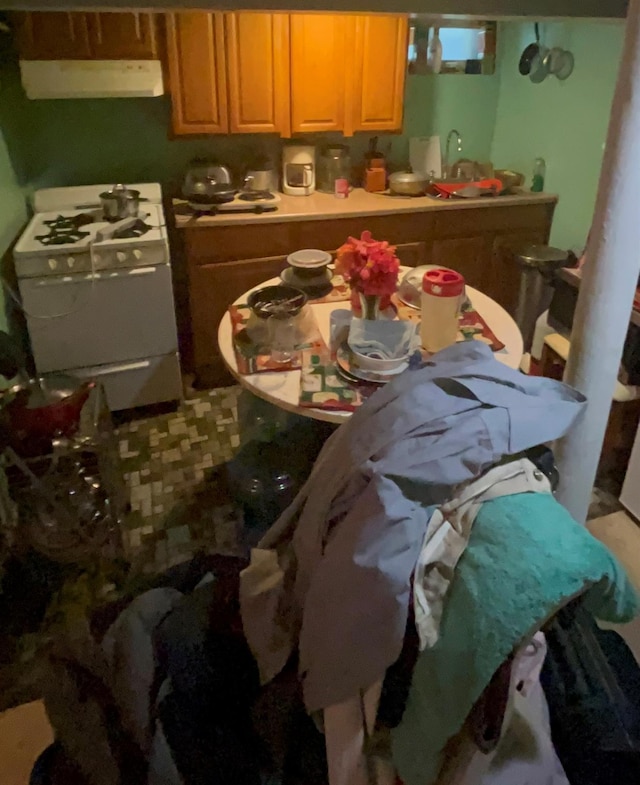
530 52
214 194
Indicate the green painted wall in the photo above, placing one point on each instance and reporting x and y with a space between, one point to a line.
13 212
70 142
564 122
436 104
503 117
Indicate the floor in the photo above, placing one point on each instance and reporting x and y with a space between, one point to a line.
170 464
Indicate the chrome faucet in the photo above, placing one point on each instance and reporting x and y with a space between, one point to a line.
446 167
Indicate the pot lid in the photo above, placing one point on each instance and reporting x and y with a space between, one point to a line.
542 255
309 258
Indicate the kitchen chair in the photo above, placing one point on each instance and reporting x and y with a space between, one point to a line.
624 415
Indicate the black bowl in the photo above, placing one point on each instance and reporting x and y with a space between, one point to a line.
264 302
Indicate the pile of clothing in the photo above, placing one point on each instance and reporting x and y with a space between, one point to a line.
393 606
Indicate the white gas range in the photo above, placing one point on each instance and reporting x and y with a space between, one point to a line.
100 304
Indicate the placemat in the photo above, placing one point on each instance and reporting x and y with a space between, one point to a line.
250 340
471 325
322 387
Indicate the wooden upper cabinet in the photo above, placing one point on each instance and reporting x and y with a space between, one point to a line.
318 82
53 35
380 65
126 36
257 47
196 61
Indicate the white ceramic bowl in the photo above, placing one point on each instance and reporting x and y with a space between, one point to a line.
370 362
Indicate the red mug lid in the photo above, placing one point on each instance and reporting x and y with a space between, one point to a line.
441 282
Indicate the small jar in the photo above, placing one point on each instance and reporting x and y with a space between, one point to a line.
334 164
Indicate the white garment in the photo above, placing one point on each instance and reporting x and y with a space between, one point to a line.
448 534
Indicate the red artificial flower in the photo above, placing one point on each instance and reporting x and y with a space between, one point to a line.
370 266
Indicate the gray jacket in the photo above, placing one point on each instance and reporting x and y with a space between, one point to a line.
333 575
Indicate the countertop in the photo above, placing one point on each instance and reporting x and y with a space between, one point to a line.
321 206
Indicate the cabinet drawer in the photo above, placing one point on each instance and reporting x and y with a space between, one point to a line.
210 245
493 218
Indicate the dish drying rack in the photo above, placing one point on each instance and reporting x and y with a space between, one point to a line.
69 504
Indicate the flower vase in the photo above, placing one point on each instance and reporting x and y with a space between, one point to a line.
369 305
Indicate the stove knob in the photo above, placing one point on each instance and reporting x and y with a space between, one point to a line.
53 263
97 259
121 256
137 254
70 261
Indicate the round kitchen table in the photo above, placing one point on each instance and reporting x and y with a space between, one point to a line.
282 388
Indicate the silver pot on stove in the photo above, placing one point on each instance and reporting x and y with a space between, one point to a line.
120 202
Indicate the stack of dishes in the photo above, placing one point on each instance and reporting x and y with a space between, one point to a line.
308 271
356 368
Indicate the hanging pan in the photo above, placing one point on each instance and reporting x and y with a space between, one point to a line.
530 52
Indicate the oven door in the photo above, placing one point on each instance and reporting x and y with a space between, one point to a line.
84 320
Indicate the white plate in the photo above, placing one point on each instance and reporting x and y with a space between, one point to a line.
345 360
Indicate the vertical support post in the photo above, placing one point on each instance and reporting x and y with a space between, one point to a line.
608 285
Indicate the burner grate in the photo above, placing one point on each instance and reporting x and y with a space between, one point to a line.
65 229
256 196
138 229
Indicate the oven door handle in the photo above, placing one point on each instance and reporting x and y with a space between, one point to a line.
136 366
101 276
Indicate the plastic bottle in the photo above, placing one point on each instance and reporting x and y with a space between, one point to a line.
539 172
442 295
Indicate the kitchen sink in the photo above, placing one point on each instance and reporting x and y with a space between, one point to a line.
465 183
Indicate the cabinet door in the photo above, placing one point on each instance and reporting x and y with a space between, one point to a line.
470 256
380 62
123 36
195 54
258 72
212 289
318 81
57 35
412 254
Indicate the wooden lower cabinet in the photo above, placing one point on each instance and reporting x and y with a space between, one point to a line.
212 288
412 254
223 262
467 255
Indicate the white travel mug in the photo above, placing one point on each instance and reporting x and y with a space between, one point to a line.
442 296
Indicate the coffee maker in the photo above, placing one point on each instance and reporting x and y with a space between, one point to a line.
299 170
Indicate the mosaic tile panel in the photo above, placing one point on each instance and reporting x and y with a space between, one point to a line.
179 503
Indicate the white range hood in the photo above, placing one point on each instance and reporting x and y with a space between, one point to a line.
92 78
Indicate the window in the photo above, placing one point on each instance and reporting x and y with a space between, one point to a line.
467 48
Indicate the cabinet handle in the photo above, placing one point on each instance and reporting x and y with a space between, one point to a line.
77 279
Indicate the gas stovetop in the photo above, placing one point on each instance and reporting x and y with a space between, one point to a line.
69 234
244 202
70 229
